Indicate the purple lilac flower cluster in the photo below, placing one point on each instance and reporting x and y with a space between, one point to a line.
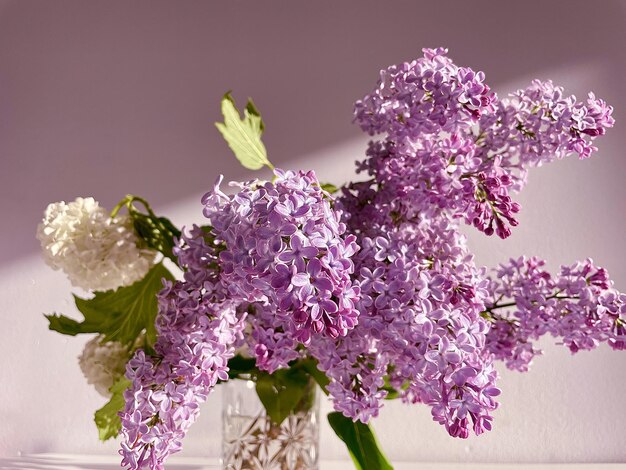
274 253
198 328
451 145
579 306
444 156
283 247
426 96
379 285
419 330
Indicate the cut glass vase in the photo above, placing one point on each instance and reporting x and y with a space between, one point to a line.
251 441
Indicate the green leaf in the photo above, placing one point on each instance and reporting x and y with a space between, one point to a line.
119 315
310 366
329 188
361 443
107 418
239 365
68 326
157 232
244 135
392 393
281 392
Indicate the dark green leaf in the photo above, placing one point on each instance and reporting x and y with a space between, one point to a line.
281 392
156 232
119 315
244 135
310 366
361 443
239 365
69 326
106 418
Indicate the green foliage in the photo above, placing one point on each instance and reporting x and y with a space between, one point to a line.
239 365
392 393
285 391
106 418
361 443
157 233
282 391
244 135
120 315
329 188
310 366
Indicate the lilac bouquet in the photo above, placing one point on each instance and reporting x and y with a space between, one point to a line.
369 288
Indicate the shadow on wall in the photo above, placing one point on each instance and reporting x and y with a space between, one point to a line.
105 99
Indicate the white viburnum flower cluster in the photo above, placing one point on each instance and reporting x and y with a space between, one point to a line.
103 363
96 252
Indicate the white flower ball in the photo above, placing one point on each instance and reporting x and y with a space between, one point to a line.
103 363
96 252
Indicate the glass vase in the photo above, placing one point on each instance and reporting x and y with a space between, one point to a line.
251 441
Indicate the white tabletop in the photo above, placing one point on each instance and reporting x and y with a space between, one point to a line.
106 462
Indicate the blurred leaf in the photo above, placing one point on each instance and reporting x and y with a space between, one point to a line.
329 188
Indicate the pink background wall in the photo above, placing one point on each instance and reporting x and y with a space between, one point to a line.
105 98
